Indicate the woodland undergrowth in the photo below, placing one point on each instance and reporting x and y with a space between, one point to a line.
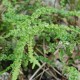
33 33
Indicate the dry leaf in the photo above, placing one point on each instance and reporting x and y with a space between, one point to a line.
0 48
78 22
78 66
77 61
56 54
65 58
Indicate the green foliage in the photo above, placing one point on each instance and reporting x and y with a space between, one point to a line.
63 2
73 4
73 74
25 26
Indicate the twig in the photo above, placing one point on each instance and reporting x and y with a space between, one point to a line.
38 75
56 71
43 73
53 75
39 51
36 71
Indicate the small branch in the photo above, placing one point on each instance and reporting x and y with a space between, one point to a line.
36 72
53 75
41 73
56 71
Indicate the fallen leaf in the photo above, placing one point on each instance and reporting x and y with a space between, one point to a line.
78 66
0 48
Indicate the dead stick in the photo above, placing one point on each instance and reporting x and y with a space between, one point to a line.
36 71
